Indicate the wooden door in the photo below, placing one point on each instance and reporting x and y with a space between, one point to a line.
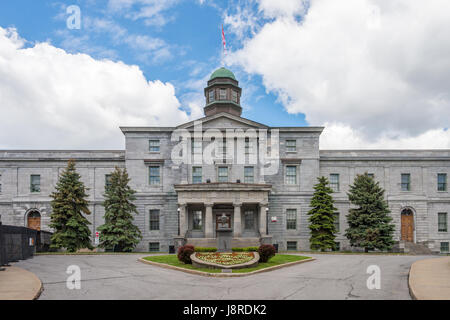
408 227
34 221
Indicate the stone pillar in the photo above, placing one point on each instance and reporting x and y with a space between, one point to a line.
237 225
208 221
183 216
263 219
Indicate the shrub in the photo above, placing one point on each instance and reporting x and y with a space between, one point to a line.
185 252
245 249
205 249
266 251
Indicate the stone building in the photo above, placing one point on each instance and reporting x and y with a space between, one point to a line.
226 181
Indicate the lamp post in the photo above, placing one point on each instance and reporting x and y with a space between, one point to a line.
267 220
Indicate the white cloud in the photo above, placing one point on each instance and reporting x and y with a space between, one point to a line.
379 67
52 99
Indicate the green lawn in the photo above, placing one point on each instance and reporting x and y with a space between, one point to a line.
277 260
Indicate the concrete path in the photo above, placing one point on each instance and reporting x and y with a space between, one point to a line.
19 284
430 279
123 277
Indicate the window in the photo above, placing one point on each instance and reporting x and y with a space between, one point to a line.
107 181
442 182
291 145
249 175
153 247
337 225
442 222
211 96
155 178
234 96
444 247
334 182
0 183
248 146
249 220
197 220
371 175
154 220
291 219
223 174
222 147
292 245
35 185
406 182
197 146
223 94
291 175
154 145
197 175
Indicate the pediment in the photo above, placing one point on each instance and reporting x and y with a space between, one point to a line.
224 121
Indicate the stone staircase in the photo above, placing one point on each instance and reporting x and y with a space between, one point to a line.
416 249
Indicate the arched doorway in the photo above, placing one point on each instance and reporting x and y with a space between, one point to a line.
407 225
34 220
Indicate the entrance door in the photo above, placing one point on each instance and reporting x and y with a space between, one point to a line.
34 220
407 225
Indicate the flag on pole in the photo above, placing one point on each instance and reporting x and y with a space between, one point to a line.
224 42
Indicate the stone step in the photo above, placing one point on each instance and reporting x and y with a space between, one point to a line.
417 249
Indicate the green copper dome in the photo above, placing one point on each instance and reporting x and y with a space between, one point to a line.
222 73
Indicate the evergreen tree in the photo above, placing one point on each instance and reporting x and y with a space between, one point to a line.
322 215
119 232
369 222
69 202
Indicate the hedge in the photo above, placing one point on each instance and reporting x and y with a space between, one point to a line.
205 249
245 249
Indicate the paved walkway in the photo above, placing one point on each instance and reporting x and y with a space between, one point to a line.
430 279
331 276
19 284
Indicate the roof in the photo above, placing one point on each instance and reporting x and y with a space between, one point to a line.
222 73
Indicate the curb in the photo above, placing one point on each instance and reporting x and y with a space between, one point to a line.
224 275
410 289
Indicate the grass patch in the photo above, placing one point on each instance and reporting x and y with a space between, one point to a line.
90 253
274 261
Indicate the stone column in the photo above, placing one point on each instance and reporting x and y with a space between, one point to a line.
263 219
208 221
237 226
183 215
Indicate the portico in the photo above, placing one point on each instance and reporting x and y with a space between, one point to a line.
223 215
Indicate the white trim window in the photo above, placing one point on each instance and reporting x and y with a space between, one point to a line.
442 182
442 222
291 145
334 182
406 181
291 219
196 174
154 145
222 94
154 175
249 174
35 183
211 96
291 175
222 174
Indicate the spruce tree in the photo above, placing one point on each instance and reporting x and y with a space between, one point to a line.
369 221
322 215
119 232
69 202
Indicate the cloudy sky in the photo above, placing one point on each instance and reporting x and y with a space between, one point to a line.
376 73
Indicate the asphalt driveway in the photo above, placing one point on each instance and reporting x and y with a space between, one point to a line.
123 277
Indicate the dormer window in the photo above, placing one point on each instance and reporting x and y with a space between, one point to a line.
234 96
223 94
211 96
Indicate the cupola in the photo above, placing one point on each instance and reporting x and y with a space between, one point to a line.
223 93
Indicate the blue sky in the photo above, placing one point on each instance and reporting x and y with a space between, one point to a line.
359 68
190 32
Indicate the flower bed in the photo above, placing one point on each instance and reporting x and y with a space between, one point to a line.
216 260
226 259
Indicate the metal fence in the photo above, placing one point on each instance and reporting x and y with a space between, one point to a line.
16 243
